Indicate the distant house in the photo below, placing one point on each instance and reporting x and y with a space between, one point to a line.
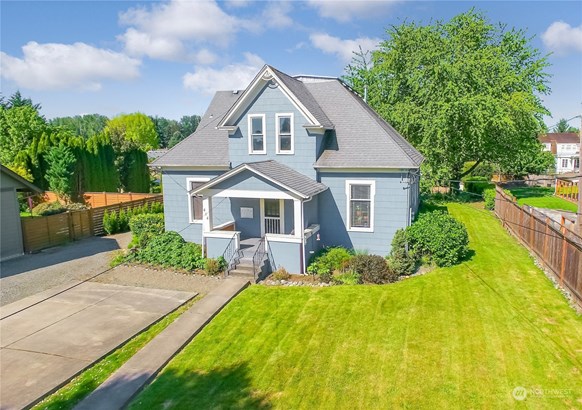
566 148
290 164
10 226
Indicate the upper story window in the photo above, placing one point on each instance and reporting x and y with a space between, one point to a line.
257 140
284 127
360 205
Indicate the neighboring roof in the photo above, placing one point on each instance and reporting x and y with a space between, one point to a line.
287 178
207 146
560 137
23 182
362 138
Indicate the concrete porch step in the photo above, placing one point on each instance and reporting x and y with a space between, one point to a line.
241 273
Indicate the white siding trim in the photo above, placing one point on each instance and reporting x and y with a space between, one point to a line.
240 193
349 183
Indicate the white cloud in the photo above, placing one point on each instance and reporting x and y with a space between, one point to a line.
231 77
347 10
164 31
276 14
237 3
343 49
60 66
563 38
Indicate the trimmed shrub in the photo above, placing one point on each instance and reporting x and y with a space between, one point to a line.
110 222
440 237
401 260
489 197
372 269
328 260
348 278
48 208
280 274
214 266
118 221
477 185
145 227
170 250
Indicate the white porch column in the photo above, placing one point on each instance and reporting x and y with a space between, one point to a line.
297 218
207 214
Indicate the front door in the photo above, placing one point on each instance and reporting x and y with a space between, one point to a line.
272 218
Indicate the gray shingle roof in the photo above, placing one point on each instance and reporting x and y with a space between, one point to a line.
281 174
362 139
207 146
302 93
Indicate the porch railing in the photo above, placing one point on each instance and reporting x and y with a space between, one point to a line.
272 224
232 253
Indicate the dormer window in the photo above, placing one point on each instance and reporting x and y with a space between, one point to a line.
257 143
284 127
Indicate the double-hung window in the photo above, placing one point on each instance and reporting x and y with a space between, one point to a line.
360 205
195 201
257 140
564 163
284 127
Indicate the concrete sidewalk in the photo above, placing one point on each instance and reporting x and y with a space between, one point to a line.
127 381
45 344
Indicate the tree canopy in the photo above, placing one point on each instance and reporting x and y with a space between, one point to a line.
462 90
564 126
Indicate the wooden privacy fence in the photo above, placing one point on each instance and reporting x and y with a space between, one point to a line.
558 248
46 231
99 199
567 190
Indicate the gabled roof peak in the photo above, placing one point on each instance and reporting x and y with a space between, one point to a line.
294 89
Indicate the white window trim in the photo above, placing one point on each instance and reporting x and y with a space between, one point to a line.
278 149
190 216
250 121
349 183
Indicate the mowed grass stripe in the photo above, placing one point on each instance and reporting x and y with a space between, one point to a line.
460 337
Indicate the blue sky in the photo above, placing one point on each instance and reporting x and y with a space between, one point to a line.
167 58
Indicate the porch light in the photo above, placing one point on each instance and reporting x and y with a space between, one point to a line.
317 238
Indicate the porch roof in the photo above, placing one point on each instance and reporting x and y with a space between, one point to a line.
279 174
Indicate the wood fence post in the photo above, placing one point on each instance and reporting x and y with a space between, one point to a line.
546 239
71 226
563 261
91 222
531 228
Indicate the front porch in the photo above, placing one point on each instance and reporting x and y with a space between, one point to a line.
275 223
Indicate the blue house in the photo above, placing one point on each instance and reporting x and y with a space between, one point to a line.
286 166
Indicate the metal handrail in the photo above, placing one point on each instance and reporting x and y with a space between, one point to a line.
258 256
263 249
231 254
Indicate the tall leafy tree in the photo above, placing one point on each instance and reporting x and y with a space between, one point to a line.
61 162
462 90
86 126
131 136
188 124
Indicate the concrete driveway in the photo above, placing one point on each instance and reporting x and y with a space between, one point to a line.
76 261
48 338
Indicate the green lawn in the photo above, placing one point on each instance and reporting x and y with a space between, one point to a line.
542 198
461 337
